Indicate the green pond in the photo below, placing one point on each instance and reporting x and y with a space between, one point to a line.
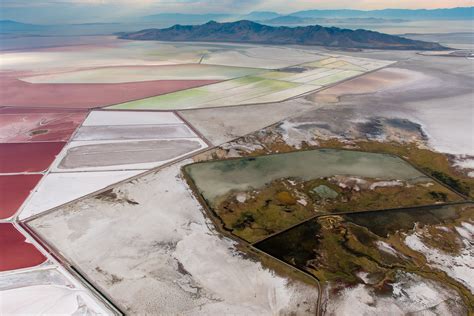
216 178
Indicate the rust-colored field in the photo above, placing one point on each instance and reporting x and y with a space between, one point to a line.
15 92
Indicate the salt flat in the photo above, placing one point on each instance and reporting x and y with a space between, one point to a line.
435 92
87 133
103 155
268 57
110 118
145 243
47 290
58 188
220 125
151 249
142 73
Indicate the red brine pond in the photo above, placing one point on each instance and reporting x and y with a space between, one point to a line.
28 157
14 190
16 252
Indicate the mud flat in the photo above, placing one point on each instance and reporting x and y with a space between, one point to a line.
150 250
433 91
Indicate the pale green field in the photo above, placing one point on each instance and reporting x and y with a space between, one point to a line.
232 92
317 73
283 95
332 79
276 75
336 63
311 75
253 85
322 62
244 90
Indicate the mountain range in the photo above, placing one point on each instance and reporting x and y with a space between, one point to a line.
295 20
461 13
375 19
251 32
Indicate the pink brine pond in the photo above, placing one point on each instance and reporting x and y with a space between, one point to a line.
15 92
35 126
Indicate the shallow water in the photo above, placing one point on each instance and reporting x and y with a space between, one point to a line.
216 178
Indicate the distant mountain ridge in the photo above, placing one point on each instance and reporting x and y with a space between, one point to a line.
180 17
260 16
460 13
386 19
250 32
14 26
295 20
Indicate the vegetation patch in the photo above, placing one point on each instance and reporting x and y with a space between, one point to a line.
283 203
370 248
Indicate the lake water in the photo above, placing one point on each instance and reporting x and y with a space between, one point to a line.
216 178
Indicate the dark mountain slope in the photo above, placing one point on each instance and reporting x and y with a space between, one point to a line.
251 32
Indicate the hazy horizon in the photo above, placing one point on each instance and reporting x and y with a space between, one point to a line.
94 11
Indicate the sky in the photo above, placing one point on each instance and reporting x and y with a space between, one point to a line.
85 11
